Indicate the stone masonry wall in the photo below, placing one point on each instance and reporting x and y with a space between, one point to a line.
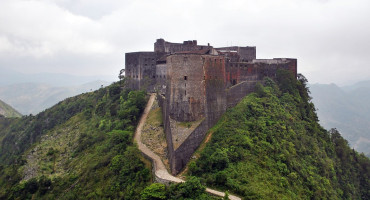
161 73
198 87
185 87
219 91
162 101
163 46
214 69
141 70
245 53
183 154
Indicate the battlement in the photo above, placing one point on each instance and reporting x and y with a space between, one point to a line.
196 84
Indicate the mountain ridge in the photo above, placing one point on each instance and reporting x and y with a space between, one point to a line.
32 98
271 146
268 146
7 111
347 109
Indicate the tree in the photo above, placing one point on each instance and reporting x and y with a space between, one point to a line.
155 191
31 186
226 197
191 189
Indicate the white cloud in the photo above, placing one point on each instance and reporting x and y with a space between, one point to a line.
330 38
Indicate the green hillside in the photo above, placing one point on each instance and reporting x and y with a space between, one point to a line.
8 111
82 148
271 146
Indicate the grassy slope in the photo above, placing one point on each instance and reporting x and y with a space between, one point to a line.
82 148
270 146
8 111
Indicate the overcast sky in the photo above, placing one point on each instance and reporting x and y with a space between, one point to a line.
330 38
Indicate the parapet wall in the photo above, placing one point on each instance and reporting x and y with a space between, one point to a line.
183 153
196 84
246 53
163 46
223 86
236 93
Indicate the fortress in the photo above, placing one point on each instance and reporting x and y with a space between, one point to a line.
195 85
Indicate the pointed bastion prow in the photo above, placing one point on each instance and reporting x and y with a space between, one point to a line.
195 85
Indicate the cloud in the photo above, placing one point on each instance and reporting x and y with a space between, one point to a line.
330 38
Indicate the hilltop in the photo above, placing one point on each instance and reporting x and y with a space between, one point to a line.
82 148
271 146
8 111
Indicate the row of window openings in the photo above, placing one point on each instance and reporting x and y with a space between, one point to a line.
148 59
210 60
236 65
204 77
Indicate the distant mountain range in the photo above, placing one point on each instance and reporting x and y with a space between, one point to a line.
11 77
347 109
8 111
32 98
33 93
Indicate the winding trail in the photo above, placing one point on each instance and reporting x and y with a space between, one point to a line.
160 171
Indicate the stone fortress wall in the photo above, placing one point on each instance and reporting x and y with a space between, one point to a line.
195 85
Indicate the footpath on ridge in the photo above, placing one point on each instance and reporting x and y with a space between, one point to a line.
160 171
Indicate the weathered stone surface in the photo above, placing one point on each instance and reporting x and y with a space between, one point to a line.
185 87
141 70
195 85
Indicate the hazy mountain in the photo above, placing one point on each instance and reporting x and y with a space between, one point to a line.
8 111
32 98
347 109
361 84
11 77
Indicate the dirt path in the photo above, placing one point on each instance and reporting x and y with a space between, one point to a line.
160 170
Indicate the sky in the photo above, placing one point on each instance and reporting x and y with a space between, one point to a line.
330 38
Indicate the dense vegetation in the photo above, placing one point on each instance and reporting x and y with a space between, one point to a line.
82 148
8 111
191 189
104 162
271 146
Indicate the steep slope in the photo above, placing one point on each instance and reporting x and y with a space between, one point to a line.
8 111
347 109
82 148
270 146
